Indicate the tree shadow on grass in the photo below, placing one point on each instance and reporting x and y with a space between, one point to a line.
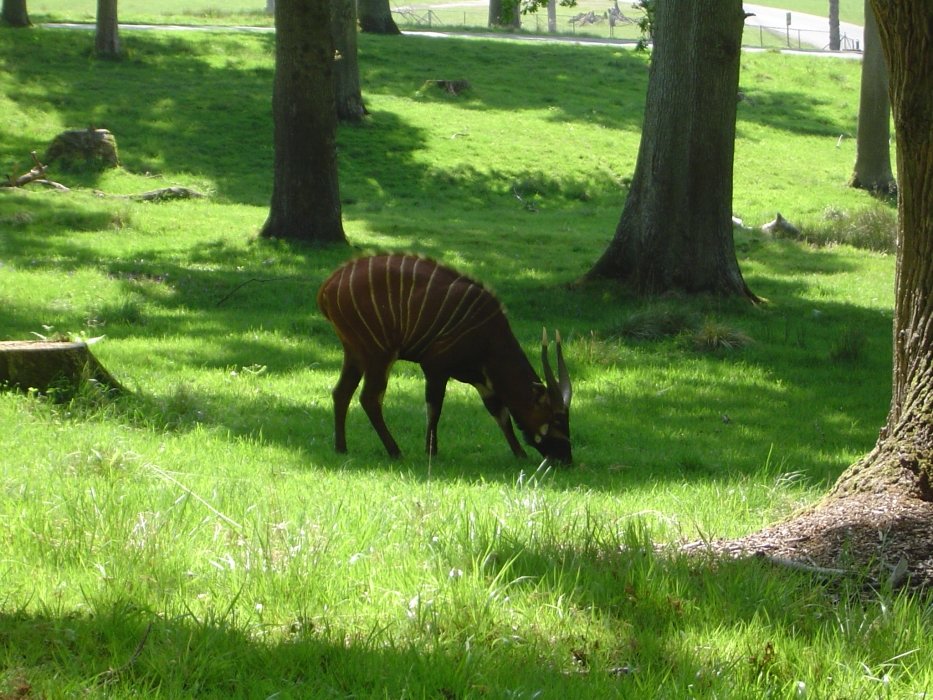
656 624
156 103
707 419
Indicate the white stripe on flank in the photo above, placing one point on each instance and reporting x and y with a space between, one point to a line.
457 317
359 314
372 298
411 291
454 341
389 265
429 334
337 293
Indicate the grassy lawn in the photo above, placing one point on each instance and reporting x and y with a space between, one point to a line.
200 537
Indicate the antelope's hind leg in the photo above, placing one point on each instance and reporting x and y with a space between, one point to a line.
350 375
435 387
374 388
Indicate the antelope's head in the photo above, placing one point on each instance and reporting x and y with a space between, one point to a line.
551 434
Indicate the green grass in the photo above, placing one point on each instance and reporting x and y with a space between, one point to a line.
200 537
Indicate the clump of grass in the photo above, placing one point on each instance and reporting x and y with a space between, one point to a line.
713 335
849 346
657 322
874 228
127 312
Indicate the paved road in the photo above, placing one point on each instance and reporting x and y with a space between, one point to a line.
805 31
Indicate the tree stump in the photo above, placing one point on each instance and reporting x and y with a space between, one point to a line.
79 148
57 367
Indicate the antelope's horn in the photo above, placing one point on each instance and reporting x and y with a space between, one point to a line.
553 387
566 390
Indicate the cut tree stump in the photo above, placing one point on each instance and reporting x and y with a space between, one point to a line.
78 148
44 366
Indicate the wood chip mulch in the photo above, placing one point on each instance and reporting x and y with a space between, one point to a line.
886 536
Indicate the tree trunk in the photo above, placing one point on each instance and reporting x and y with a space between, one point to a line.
107 39
505 14
552 16
305 192
46 367
347 95
376 17
873 151
878 518
675 231
835 42
903 456
14 13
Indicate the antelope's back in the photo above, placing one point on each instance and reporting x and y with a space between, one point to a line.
405 306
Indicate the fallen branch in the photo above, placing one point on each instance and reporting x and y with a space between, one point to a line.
112 674
801 566
250 281
35 173
451 87
165 194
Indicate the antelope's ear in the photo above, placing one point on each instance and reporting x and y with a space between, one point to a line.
540 393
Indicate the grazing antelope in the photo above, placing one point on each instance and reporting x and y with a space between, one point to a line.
390 307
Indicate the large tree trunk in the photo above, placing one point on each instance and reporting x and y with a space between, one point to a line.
880 511
905 448
347 95
376 17
505 14
14 13
107 39
675 232
873 151
305 192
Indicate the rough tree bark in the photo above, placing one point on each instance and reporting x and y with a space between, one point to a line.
347 95
675 231
14 13
305 202
873 151
904 452
45 366
880 511
505 14
376 17
107 37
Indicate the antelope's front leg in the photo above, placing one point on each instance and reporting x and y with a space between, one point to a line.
500 413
